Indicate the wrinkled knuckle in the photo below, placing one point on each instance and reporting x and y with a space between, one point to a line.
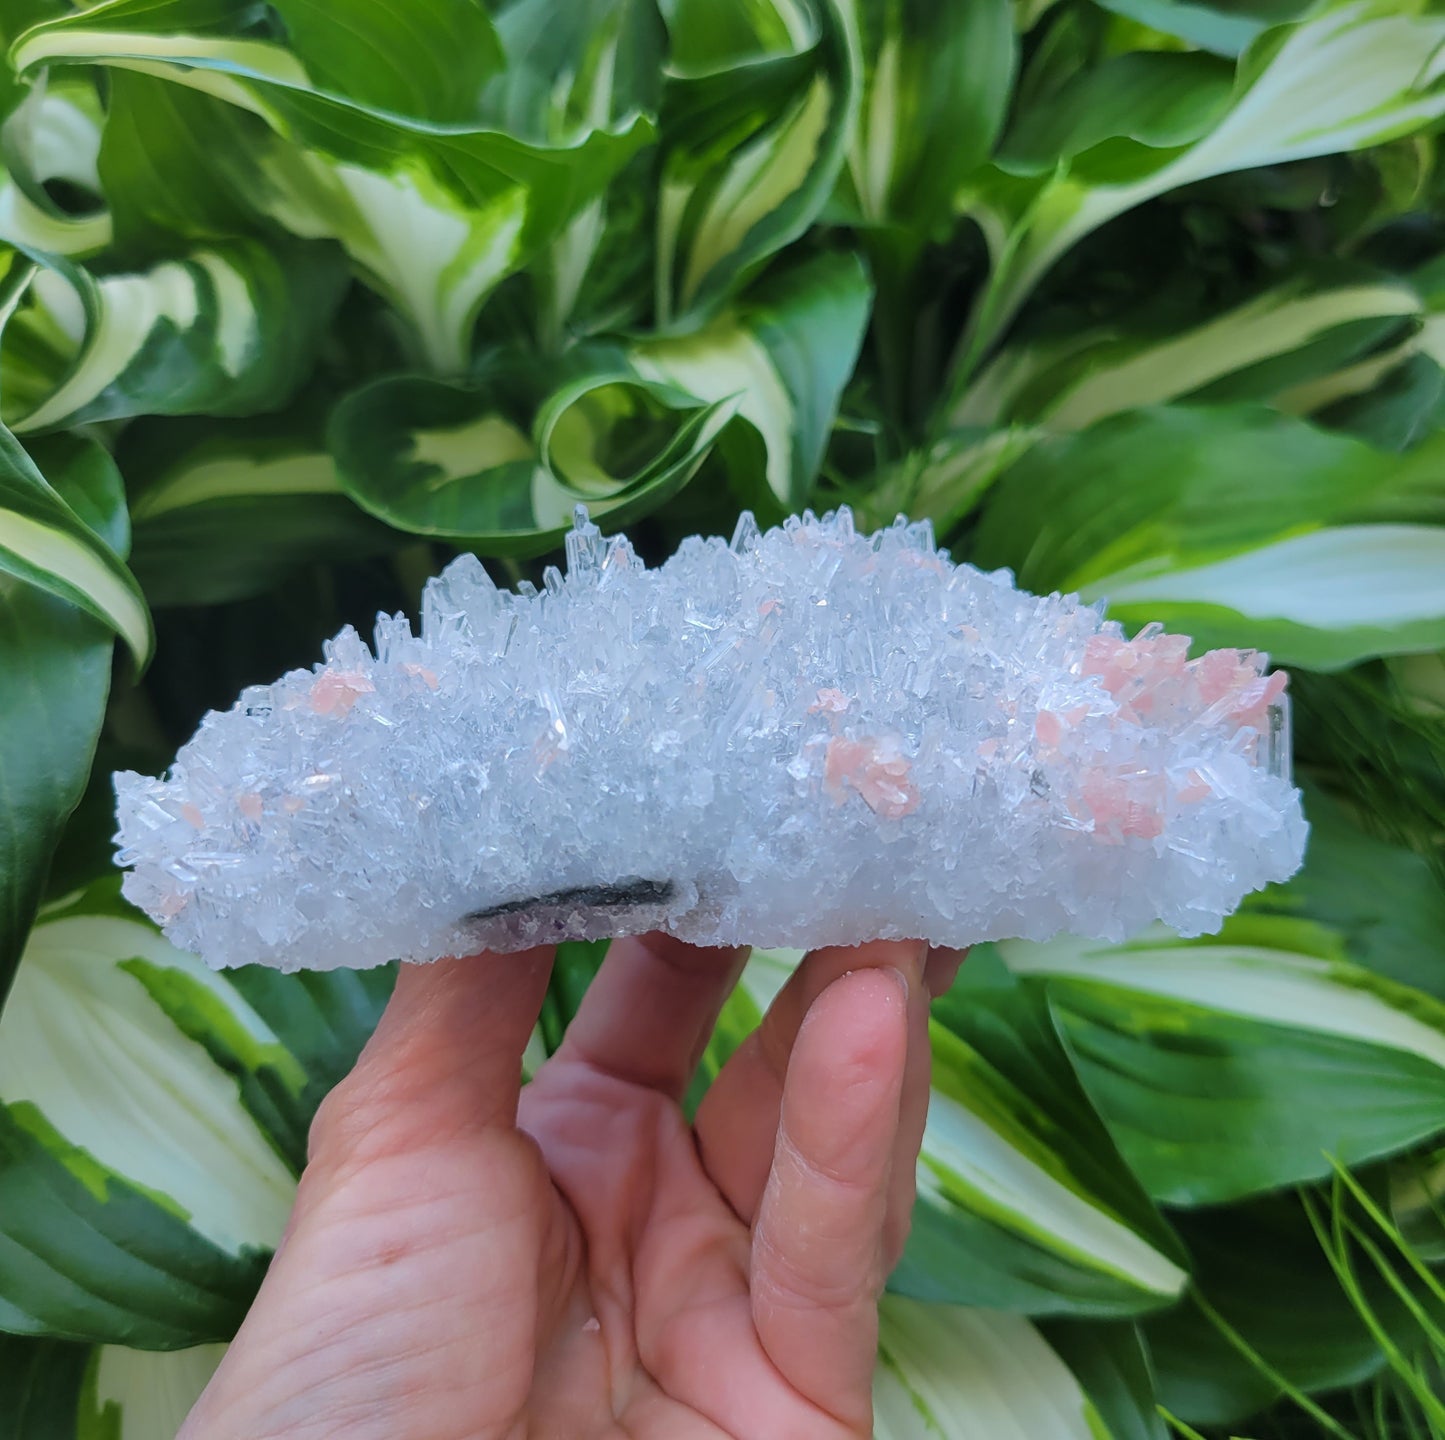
340 1121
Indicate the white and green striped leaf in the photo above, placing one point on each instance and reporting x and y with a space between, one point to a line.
1242 1063
1224 523
53 135
1003 1218
45 543
1326 599
1271 347
946 1372
56 661
230 330
753 141
224 511
55 1390
487 464
936 84
1023 1201
1346 76
502 463
782 355
141 1195
380 144
143 1395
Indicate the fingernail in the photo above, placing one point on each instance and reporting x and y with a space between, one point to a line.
901 977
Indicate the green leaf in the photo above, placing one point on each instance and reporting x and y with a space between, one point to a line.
1327 599
1225 27
937 80
1297 331
484 465
143 1196
141 1395
1289 103
58 1390
752 142
41 1395
230 330
1382 899
944 1370
1023 1201
1240 1063
44 543
784 353
946 482
86 1255
587 66
1260 1268
1146 100
56 660
1110 1362
1206 519
1169 487
52 136
323 1018
381 141
224 511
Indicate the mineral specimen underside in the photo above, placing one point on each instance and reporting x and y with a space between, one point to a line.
806 737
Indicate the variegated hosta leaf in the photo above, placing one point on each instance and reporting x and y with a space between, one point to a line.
472 463
937 81
382 143
59 1391
1347 76
950 1373
1394 397
53 135
56 661
1240 1063
1213 521
784 354
759 107
503 463
1023 1201
140 1193
230 330
1326 599
224 511
590 67
946 482
45 543
1271 348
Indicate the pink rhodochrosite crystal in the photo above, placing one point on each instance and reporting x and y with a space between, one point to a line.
806 737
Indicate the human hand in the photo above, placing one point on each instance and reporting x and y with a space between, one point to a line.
470 1258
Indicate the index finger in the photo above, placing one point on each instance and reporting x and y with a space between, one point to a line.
447 1051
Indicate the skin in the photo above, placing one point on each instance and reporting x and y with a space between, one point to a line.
471 1258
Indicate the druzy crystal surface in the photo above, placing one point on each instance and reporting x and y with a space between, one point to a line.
808 736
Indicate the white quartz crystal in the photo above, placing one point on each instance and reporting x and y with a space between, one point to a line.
806 737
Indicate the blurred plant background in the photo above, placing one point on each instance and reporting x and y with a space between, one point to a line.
1141 298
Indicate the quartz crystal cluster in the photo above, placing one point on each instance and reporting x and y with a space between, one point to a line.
808 736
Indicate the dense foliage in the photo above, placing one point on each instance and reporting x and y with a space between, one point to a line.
1141 298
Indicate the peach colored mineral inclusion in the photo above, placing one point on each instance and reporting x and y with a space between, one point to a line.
877 769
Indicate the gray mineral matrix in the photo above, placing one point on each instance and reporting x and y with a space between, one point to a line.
804 737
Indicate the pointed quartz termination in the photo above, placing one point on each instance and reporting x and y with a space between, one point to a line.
805 736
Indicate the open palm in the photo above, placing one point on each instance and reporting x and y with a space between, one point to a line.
468 1258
